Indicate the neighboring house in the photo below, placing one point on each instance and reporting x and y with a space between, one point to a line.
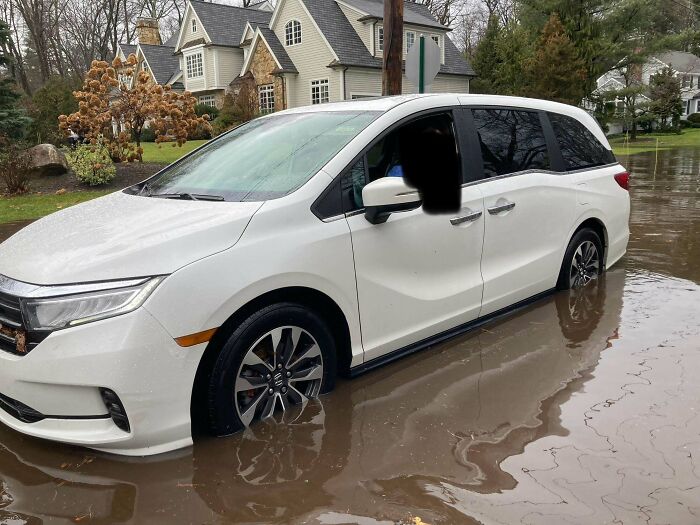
685 66
302 52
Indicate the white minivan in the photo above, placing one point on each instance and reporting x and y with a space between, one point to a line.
242 279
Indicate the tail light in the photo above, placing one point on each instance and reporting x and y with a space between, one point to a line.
623 179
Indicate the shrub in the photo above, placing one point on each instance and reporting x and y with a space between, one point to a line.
204 109
14 166
147 135
694 118
92 164
53 99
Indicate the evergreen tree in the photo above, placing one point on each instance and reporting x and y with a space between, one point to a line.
487 59
666 103
13 119
555 71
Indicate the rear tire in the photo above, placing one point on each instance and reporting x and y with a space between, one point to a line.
279 356
583 260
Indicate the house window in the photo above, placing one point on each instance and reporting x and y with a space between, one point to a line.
380 38
436 39
194 25
410 39
207 100
194 66
319 91
292 33
266 97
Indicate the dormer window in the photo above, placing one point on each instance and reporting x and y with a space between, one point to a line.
194 25
292 33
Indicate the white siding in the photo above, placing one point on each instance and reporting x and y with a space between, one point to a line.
310 57
209 68
230 64
364 30
369 81
198 83
186 27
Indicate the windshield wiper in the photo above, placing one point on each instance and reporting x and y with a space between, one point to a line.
145 189
188 196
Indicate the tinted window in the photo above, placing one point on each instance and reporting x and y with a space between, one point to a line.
402 152
510 141
579 147
264 159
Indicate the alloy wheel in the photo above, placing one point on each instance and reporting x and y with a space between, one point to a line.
282 368
585 265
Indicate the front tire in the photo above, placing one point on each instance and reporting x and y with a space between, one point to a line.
280 356
583 260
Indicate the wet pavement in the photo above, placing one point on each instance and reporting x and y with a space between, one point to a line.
579 409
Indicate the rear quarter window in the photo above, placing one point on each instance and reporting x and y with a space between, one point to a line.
579 148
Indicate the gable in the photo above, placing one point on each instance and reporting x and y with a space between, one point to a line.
186 35
225 24
266 47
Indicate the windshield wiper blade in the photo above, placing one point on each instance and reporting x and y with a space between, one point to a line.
145 189
188 196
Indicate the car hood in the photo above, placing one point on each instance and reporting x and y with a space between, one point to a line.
120 236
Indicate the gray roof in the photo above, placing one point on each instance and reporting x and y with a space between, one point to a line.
278 50
172 41
162 61
351 50
128 49
681 61
225 24
413 13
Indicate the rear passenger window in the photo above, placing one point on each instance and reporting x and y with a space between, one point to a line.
510 141
579 147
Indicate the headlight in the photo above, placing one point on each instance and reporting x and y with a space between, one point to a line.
71 309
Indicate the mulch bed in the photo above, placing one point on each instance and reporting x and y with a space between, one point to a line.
127 174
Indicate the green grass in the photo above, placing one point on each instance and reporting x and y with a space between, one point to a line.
165 153
26 207
647 142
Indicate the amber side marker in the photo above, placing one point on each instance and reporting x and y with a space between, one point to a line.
195 339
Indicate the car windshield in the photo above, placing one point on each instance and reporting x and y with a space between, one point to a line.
266 158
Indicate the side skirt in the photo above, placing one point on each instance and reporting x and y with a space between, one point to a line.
446 335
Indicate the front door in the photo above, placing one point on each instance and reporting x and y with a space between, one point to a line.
417 274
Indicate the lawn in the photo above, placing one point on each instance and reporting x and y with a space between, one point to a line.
165 153
26 207
650 142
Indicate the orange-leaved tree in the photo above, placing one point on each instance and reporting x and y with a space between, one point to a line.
115 94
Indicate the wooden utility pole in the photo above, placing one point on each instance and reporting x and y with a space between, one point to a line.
393 47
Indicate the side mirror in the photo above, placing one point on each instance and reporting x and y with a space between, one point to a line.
388 195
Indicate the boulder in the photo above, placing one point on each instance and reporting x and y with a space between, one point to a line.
47 159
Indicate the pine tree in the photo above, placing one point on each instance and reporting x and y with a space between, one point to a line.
13 119
555 71
666 101
486 61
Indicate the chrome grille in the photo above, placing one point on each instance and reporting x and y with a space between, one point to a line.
14 338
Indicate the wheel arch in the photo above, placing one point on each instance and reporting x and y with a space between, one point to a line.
319 302
598 226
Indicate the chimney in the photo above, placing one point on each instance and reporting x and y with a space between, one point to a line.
147 31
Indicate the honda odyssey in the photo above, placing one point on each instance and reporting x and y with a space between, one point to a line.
242 279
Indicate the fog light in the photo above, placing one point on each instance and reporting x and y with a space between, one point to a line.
115 409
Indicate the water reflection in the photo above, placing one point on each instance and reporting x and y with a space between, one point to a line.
450 414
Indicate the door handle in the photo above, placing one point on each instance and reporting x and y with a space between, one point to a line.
494 210
469 217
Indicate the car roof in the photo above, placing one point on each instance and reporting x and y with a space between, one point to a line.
383 104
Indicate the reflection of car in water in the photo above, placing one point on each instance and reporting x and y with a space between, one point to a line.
454 413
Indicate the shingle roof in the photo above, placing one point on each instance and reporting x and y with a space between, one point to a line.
225 24
172 41
278 50
682 62
413 13
350 49
162 61
128 49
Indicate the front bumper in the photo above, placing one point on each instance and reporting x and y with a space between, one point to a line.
134 356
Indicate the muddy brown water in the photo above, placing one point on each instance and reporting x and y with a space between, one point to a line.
579 409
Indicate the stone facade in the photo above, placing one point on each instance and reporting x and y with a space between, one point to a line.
262 66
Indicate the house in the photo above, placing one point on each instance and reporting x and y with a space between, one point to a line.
302 52
685 66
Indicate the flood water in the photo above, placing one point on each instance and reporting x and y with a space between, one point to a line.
578 409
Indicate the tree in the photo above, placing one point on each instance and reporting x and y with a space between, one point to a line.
108 99
555 71
13 119
487 59
55 98
666 101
